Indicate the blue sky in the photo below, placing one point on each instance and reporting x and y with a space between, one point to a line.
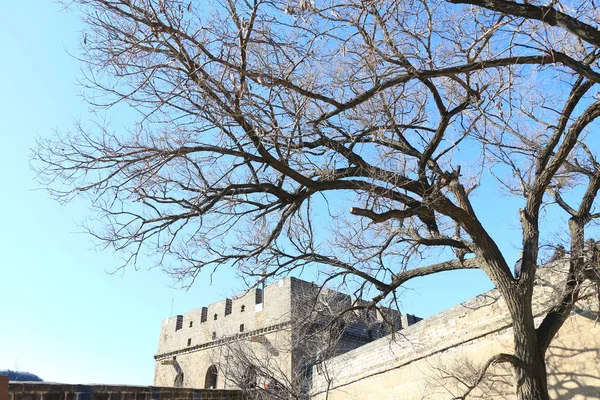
62 316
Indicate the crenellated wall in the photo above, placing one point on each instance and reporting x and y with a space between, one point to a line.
198 344
207 324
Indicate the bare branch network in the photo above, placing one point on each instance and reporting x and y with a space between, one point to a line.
346 135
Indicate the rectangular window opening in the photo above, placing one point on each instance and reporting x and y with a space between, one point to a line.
179 323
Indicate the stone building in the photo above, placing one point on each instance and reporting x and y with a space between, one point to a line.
257 338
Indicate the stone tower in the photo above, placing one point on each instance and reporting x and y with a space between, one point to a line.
214 346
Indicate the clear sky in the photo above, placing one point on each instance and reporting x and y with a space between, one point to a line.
62 316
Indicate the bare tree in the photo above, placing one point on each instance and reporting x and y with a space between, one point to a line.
252 366
260 120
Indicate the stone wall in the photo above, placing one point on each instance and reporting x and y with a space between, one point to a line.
262 324
190 329
57 391
358 328
197 344
424 360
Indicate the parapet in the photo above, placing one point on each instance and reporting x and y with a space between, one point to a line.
471 332
253 310
59 391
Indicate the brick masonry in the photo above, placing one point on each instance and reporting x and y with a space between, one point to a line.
57 391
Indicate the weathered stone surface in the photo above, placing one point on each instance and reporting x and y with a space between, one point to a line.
196 341
424 360
211 328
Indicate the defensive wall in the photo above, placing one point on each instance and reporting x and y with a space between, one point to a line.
195 349
58 391
190 344
429 359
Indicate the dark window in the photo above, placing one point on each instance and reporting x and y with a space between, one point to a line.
243 309
258 296
179 323
214 335
189 341
191 323
210 380
241 327
337 329
215 317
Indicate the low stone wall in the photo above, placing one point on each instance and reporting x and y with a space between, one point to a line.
59 391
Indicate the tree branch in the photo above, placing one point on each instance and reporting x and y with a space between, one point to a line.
546 14
498 358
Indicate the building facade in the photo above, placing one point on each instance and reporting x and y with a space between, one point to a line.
259 338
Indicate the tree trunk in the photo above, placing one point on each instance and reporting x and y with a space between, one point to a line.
530 374
531 379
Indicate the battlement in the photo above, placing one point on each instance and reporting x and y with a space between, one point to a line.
261 308
253 310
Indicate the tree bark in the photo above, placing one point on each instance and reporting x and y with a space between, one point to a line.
531 377
530 372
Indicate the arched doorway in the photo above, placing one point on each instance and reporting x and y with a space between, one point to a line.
210 381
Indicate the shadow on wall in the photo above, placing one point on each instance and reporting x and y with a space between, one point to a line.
444 357
566 367
568 380
457 378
